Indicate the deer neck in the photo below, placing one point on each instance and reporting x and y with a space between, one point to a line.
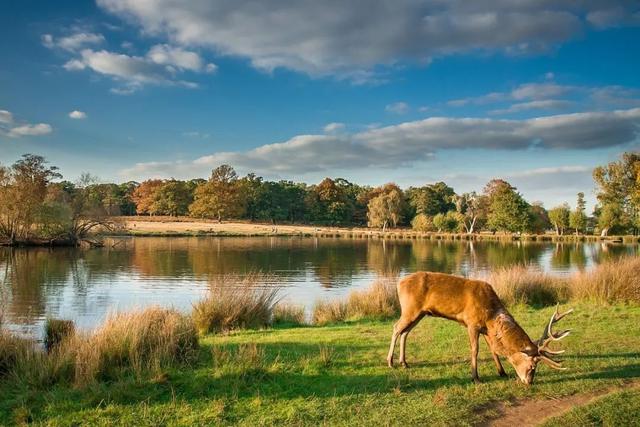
506 336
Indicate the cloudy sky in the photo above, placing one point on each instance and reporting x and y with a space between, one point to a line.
535 91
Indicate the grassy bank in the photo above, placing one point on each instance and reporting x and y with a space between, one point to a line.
187 227
336 375
151 368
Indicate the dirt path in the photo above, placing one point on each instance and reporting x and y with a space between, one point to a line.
528 412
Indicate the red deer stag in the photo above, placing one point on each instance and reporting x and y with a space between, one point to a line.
475 305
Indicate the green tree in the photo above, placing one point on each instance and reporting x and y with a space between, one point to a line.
221 197
473 210
385 209
559 217
578 218
508 211
172 198
618 193
431 199
539 218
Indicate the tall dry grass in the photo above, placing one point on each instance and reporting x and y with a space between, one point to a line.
237 302
610 282
616 281
378 301
139 343
524 285
289 314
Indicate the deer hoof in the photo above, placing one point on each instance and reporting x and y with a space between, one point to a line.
476 380
503 374
405 365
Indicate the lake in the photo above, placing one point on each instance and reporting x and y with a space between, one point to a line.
87 284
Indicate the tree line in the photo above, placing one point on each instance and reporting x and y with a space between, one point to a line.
35 201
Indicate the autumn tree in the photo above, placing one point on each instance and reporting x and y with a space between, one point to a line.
578 218
539 218
328 203
23 188
145 194
559 217
220 197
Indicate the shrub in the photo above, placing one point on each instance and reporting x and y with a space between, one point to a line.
236 302
422 223
287 314
521 285
55 330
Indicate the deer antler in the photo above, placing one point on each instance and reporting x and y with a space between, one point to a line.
548 336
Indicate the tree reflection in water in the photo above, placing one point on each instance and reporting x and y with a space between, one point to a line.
86 284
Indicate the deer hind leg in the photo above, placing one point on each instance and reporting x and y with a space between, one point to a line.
399 328
403 340
496 359
474 335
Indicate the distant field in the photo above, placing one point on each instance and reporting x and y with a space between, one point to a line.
185 226
336 375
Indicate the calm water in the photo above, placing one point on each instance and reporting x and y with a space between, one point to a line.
85 285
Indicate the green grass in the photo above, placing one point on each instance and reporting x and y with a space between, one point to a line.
337 375
616 409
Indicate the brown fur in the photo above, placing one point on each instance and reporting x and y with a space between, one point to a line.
472 303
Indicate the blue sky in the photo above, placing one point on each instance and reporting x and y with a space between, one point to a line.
534 91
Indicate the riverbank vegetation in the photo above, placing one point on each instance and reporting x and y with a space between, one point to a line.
336 374
39 207
152 367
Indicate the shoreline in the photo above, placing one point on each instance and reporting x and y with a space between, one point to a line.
189 227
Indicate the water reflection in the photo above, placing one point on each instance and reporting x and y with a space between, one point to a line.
86 284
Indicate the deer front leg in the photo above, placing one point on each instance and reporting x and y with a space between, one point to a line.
496 359
474 334
398 328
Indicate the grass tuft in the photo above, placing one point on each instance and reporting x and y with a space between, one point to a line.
55 330
288 314
237 302
522 285
378 301
610 282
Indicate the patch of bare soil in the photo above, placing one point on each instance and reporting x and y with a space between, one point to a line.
532 412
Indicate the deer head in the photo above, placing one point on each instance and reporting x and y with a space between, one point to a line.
525 361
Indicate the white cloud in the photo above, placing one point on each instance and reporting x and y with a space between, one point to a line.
333 127
539 91
174 56
341 37
29 130
6 117
410 142
72 42
158 68
11 129
545 104
397 108
78 115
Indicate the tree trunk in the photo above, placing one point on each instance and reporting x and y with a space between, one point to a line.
604 232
